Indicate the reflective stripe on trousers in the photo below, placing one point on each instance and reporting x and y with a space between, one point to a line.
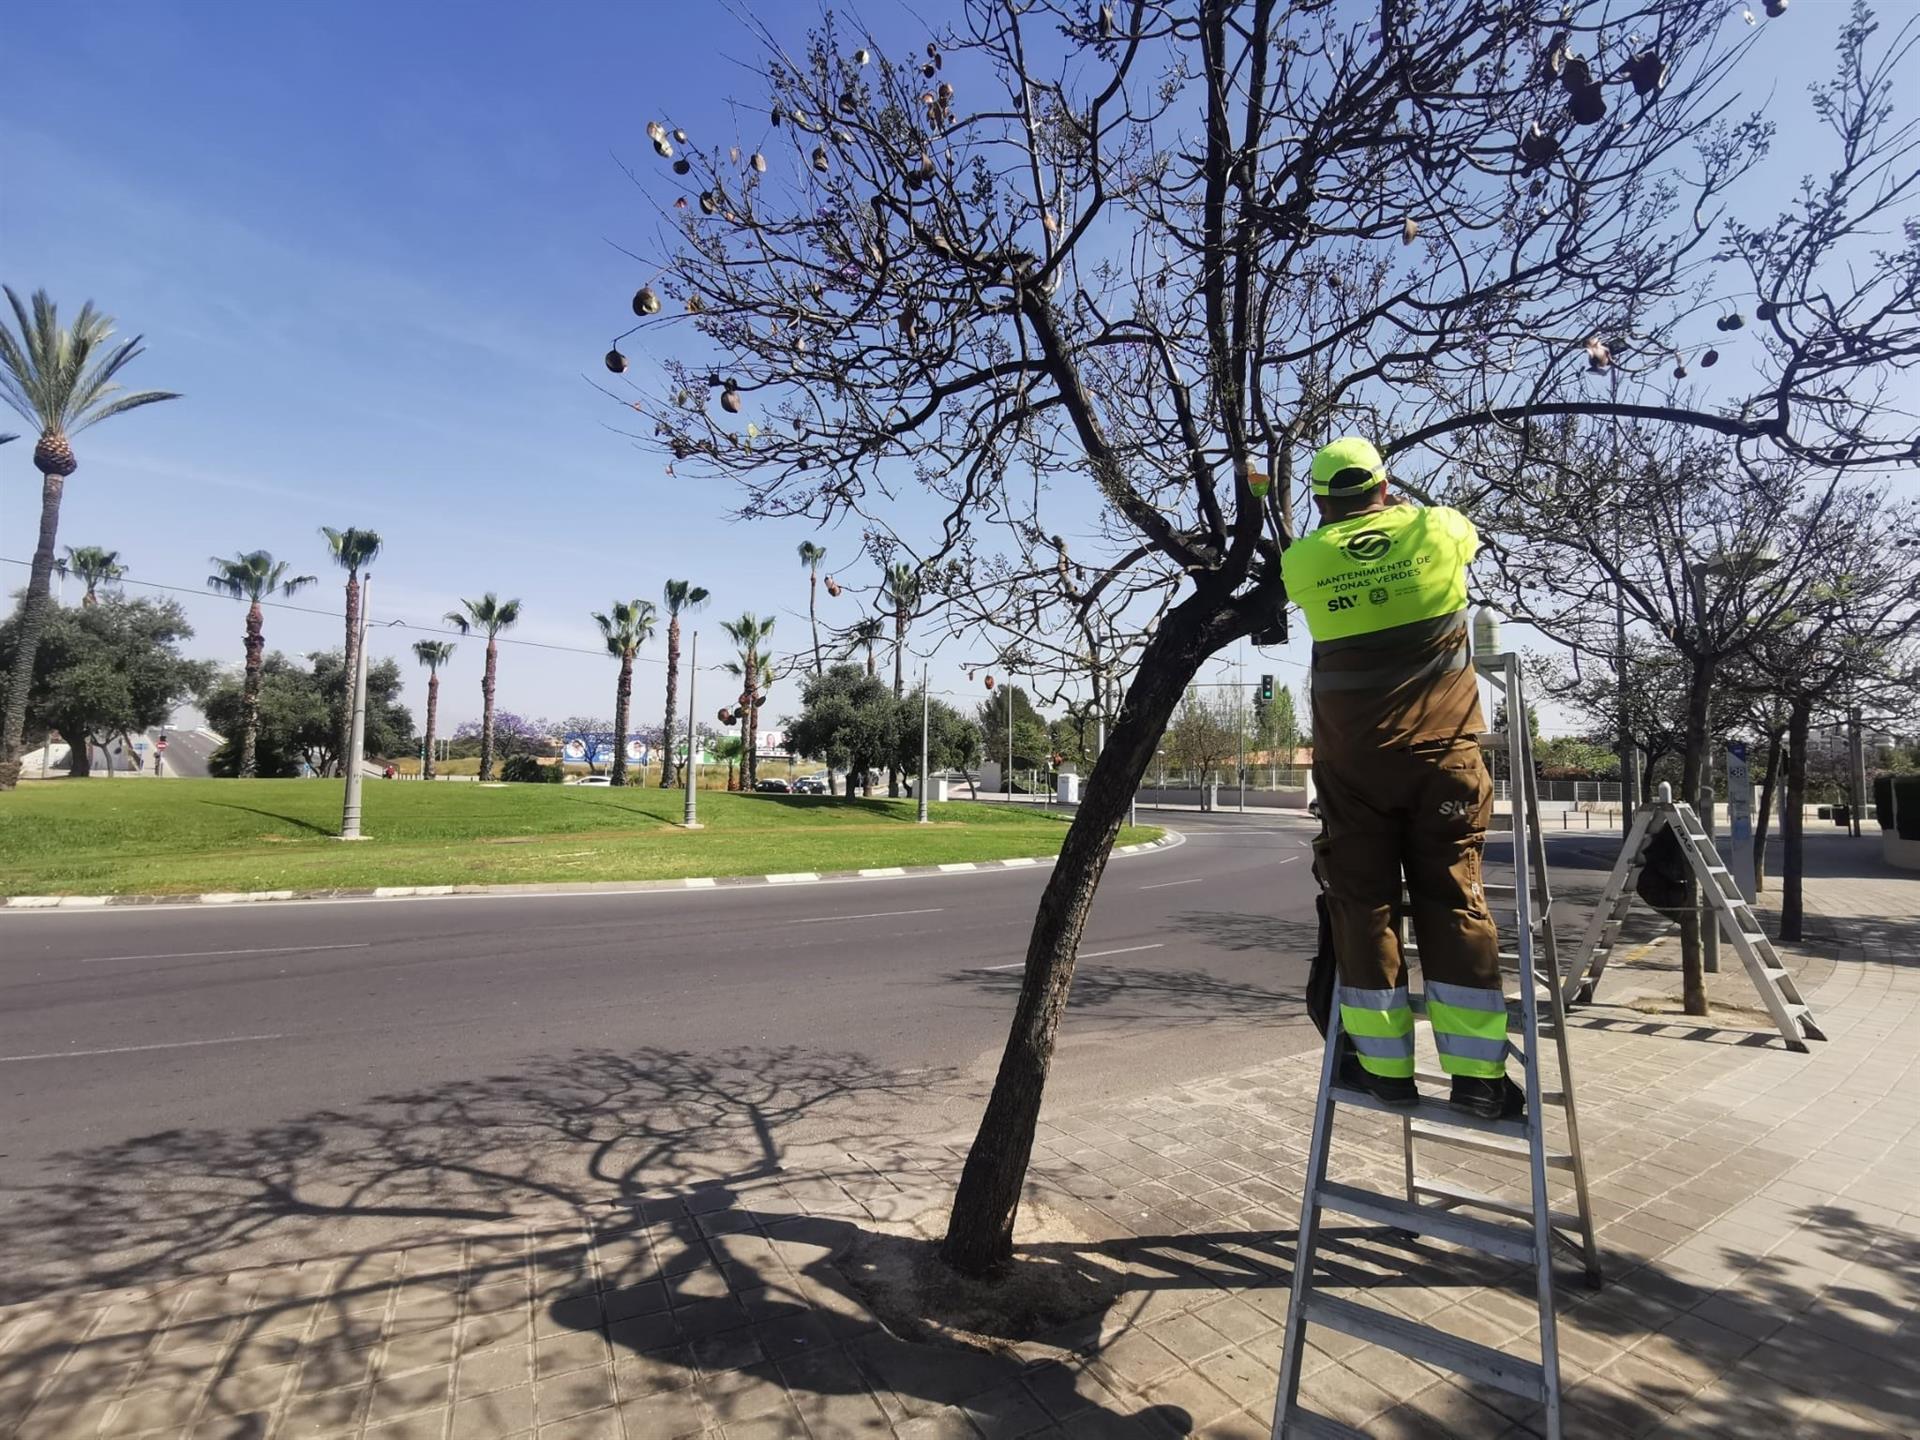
1469 1029
1380 1025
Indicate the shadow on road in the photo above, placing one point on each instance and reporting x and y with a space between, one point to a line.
1165 998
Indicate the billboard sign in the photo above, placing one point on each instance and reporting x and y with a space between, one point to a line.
595 747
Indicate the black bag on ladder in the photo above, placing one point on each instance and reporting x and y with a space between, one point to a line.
1324 970
1664 874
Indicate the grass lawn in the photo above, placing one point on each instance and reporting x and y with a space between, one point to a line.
96 837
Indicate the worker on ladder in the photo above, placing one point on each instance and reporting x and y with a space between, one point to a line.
1401 781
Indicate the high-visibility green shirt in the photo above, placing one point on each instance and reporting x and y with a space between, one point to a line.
1379 570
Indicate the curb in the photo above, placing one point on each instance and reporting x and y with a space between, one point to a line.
1168 841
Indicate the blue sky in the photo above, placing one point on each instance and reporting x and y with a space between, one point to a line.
369 243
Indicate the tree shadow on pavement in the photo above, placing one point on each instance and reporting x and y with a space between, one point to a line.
590 1128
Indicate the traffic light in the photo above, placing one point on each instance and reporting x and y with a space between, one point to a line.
1266 689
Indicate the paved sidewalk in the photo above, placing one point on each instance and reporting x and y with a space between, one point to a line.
1759 1214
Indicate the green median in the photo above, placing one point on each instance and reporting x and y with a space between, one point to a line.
134 837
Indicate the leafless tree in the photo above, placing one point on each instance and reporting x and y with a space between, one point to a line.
1852 642
1056 303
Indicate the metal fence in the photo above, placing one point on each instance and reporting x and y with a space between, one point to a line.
1574 792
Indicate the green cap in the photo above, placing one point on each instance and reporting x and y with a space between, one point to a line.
1349 452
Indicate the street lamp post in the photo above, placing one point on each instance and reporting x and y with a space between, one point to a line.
692 820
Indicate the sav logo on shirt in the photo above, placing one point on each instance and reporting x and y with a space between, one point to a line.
1367 546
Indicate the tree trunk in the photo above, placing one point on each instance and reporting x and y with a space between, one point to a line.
813 615
750 722
486 709
1693 977
667 771
870 660
1792 817
250 693
433 718
899 689
1767 783
980 1228
622 704
352 672
33 619
80 757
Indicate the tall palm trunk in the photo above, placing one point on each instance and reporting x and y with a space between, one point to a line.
980 1229
622 703
352 671
899 688
33 619
486 710
870 659
433 721
90 599
250 693
813 615
667 771
750 731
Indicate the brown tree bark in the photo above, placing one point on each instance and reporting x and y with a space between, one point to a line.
486 709
1792 818
622 705
433 720
33 619
750 722
980 1228
352 663
899 689
1767 783
1693 973
250 693
667 771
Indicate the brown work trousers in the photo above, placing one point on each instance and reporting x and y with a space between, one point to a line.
1423 810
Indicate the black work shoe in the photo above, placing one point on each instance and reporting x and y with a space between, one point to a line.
1489 1099
1387 1089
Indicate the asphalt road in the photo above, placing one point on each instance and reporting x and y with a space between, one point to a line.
188 751
190 1081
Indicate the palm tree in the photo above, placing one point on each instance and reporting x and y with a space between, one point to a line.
94 566
902 591
353 551
62 382
682 597
810 556
491 614
253 577
432 654
727 748
750 633
628 628
866 633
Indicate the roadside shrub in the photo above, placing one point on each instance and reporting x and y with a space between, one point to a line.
527 770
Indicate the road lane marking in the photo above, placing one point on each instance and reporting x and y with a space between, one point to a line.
1090 955
202 954
135 1049
1198 879
870 915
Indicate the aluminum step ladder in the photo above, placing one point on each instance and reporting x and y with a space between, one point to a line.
1792 1016
1431 1207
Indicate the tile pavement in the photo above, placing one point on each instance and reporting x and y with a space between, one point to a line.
1759 1214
